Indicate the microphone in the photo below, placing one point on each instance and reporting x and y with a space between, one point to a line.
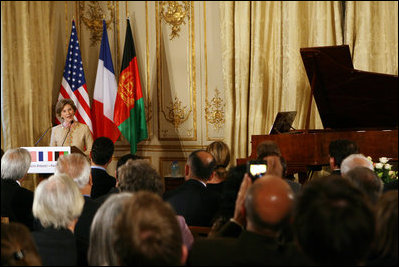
41 137
69 129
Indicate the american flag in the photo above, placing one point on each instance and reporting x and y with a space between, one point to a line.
74 83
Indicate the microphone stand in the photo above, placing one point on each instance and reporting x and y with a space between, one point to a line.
41 137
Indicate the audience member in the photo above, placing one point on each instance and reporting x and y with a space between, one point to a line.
17 246
355 160
267 148
101 156
236 224
77 167
221 153
266 209
338 151
147 233
385 246
367 181
122 160
295 186
16 201
139 175
192 200
228 198
101 249
57 204
333 222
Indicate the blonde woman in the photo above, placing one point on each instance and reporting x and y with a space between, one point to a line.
221 153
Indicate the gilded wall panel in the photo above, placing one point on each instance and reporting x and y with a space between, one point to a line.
176 69
179 66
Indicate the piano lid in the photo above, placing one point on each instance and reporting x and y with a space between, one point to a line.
346 97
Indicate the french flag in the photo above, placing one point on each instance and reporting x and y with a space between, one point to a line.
105 91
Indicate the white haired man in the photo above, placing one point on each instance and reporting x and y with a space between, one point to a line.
77 167
16 201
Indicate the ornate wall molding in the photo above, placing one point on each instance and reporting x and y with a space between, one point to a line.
174 14
176 113
95 16
214 111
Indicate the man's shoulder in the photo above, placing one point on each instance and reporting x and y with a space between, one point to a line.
189 186
102 172
11 186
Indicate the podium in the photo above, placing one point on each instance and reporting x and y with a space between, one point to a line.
44 158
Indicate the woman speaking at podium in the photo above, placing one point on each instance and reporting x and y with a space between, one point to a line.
70 132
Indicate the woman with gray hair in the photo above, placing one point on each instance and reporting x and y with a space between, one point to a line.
57 204
101 247
16 201
355 160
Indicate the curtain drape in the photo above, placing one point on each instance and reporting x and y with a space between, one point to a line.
372 34
262 68
27 74
27 71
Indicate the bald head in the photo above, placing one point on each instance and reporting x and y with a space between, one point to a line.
268 204
201 164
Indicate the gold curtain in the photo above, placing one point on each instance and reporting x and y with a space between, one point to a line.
27 71
27 52
372 34
262 68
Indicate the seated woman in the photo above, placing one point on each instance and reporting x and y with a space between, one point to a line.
17 246
57 204
70 132
221 153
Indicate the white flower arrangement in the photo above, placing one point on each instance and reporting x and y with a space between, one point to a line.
384 170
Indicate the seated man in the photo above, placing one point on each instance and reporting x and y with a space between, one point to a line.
192 199
101 156
338 151
77 167
16 201
266 211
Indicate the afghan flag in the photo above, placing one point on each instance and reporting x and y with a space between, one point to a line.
129 114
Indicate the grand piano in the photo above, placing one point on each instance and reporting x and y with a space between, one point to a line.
356 105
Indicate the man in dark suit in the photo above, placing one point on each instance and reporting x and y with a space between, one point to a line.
101 156
192 200
338 151
266 210
77 167
16 201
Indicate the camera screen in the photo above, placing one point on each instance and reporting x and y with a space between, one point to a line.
257 169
